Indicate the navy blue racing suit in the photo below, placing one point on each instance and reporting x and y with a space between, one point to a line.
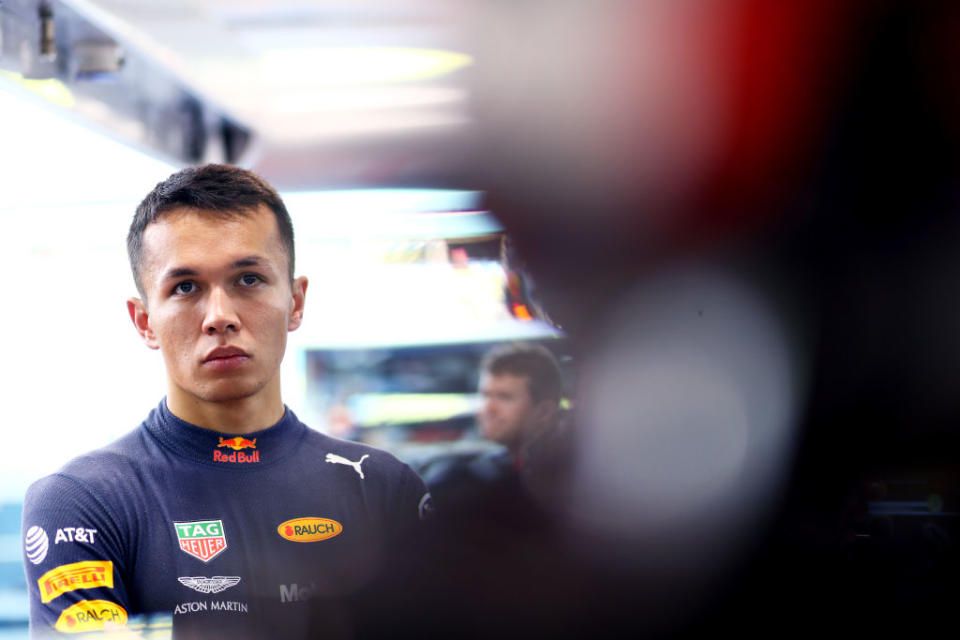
266 534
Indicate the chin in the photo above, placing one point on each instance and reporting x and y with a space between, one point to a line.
228 392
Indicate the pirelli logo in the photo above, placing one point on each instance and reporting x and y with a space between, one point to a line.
79 575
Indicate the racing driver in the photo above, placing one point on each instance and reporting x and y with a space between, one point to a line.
221 512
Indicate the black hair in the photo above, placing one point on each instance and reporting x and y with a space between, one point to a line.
532 361
218 189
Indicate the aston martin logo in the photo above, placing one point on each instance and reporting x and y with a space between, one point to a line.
216 584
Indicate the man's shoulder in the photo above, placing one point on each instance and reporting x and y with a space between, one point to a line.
350 449
481 466
105 466
375 464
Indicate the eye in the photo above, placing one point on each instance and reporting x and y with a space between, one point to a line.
183 288
250 280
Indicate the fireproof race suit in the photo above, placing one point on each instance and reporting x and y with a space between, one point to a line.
228 536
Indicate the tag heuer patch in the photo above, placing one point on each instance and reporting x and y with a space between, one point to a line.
203 539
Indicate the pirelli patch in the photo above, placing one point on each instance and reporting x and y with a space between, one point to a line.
89 574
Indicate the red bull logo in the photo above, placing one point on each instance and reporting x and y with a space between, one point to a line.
237 443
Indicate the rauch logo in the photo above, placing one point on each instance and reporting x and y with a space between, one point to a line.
309 529
90 615
203 539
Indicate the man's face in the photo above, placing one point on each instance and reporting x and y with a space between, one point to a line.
508 414
219 303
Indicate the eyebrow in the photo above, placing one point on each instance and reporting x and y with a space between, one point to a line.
179 272
248 261
182 272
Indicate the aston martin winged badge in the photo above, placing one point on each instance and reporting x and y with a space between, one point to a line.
216 584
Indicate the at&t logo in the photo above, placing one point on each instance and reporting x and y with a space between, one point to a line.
36 544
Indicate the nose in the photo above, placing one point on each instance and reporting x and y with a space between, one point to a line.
220 315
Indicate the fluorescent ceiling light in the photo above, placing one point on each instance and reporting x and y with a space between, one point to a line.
313 99
388 201
304 128
357 65
49 89
388 213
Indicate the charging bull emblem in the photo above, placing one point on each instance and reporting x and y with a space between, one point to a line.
238 443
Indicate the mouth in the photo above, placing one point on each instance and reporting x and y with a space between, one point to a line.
226 358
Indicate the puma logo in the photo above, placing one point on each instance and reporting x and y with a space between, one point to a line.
332 457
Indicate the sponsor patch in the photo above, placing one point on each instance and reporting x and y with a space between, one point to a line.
75 534
309 529
203 539
36 543
90 615
212 605
89 574
216 584
237 444
296 593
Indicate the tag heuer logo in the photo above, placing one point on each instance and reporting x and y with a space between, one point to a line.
203 539
216 584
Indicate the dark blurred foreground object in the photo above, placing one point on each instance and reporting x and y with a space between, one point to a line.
745 215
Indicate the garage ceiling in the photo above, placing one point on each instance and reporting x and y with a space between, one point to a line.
336 94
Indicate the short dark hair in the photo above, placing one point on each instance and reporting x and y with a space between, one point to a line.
219 189
533 361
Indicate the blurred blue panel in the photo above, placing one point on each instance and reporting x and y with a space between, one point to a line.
14 610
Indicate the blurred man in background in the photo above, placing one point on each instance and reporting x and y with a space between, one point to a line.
520 389
494 563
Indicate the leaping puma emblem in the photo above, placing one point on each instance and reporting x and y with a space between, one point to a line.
332 457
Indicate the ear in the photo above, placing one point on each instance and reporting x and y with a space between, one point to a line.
545 411
296 303
141 320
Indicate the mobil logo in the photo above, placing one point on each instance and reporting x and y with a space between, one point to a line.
309 529
202 539
297 592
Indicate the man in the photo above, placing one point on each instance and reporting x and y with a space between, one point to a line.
500 518
520 387
221 508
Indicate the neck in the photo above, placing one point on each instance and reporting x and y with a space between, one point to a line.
236 416
520 449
